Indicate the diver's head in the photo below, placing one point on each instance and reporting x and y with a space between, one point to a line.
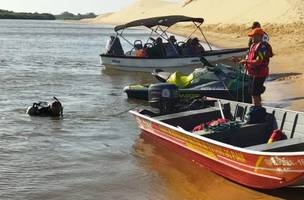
56 108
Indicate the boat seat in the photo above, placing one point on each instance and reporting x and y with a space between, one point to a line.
289 145
291 122
138 44
238 110
250 134
185 113
246 135
189 119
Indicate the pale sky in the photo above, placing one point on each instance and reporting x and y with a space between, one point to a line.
59 6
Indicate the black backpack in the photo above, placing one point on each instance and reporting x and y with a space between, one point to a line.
256 115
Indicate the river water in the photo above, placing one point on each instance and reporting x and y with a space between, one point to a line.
96 150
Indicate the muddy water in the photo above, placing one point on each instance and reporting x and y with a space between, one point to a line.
96 150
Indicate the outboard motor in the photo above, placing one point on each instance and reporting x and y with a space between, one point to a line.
163 96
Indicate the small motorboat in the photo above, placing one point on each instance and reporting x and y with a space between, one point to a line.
219 81
145 57
241 150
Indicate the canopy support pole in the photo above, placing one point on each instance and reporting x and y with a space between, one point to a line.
189 36
199 27
165 33
120 34
149 36
159 34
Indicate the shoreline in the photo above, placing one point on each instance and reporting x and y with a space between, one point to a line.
287 41
288 58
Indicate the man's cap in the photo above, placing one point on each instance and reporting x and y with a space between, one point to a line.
256 25
256 31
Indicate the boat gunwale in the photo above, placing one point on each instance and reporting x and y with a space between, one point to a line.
244 150
206 53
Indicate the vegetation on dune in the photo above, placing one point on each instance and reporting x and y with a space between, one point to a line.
71 16
5 14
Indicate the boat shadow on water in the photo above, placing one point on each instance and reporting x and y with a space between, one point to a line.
186 179
141 77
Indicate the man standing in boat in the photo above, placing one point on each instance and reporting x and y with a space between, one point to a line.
256 64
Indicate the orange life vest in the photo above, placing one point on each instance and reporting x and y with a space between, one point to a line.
262 52
140 53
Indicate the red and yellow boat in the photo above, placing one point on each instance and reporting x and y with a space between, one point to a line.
240 153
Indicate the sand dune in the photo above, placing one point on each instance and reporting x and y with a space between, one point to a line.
226 22
139 9
215 11
244 11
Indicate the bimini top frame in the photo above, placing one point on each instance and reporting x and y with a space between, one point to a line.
156 24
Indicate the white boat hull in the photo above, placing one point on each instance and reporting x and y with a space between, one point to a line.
183 64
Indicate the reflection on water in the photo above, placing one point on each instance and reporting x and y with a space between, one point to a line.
135 77
185 179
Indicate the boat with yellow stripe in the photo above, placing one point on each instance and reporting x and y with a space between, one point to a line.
240 151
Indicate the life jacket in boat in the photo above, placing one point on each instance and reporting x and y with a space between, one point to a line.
276 136
210 124
258 59
140 53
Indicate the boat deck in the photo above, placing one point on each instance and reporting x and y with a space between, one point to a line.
250 136
240 152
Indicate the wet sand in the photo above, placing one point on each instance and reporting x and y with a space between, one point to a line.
288 46
226 25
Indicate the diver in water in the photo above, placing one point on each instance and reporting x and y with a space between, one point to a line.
42 109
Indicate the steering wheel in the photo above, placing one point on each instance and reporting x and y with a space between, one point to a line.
181 43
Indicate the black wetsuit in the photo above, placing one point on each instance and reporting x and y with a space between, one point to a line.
38 110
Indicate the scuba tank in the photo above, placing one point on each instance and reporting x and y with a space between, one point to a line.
34 110
44 109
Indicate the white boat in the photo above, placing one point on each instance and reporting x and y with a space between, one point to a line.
181 61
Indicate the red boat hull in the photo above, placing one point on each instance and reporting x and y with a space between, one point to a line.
224 170
250 169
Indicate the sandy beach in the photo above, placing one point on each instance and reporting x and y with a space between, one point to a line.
226 25
289 50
